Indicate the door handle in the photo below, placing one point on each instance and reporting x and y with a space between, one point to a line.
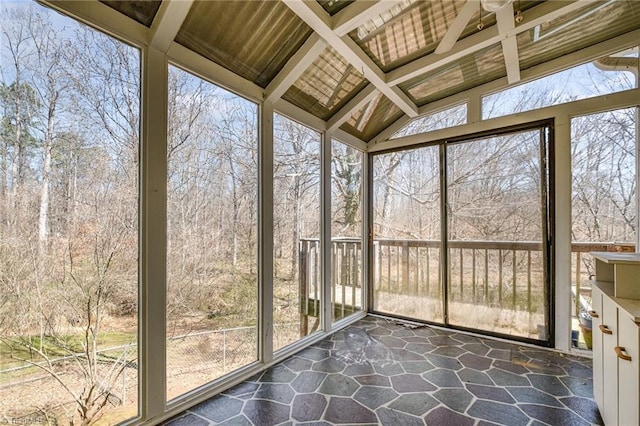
593 314
620 352
605 329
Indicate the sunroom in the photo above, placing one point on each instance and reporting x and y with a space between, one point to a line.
195 191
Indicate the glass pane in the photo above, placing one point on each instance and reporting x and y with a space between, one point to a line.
68 221
450 117
346 229
581 82
296 231
212 228
496 265
603 168
406 252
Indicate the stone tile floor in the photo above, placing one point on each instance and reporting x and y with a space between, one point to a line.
380 371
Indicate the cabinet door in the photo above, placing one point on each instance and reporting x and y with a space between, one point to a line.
629 371
596 306
609 317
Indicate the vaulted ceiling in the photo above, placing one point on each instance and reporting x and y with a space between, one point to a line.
362 65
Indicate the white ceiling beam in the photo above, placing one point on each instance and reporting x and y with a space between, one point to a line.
506 25
167 22
545 12
296 113
294 67
359 12
457 27
355 104
512 62
316 17
99 15
349 139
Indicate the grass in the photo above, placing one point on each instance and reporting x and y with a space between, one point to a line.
56 347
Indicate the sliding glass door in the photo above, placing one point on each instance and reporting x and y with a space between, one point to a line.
488 194
497 225
407 243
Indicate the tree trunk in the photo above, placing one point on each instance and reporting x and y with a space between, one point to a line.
43 217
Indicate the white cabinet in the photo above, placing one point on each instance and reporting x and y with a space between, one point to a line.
609 332
628 371
616 339
596 315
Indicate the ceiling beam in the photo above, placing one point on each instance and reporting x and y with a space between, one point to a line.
511 60
294 67
533 17
100 15
457 27
359 12
316 17
506 25
296 113
167 23
355 104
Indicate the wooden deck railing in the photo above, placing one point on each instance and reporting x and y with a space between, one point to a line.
507 274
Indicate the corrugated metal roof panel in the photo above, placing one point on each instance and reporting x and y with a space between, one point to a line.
375 116
142 11
254 39
582 28
411 29
334 6
326 85
470 71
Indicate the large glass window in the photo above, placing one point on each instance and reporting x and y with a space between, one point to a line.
346 229
449 117
609 74
603 168
69 114
296 231
212 232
